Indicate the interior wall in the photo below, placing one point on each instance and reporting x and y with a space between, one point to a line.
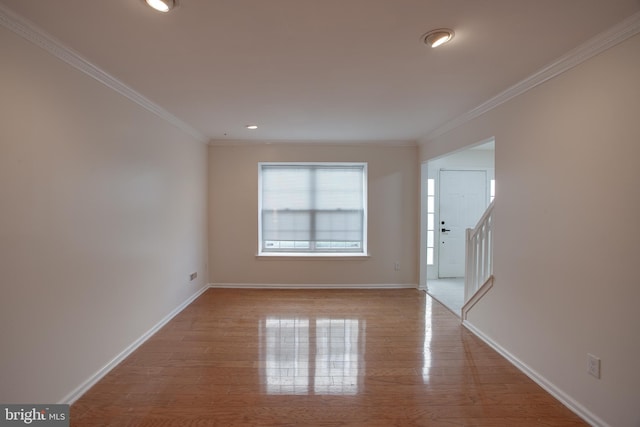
566 230
393 201
103 218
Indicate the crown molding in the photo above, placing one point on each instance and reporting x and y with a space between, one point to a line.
40 38
312 142
598 44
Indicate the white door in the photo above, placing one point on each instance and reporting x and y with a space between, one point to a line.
463 200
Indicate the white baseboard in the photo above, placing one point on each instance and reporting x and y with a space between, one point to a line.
91 381
551 388
314 286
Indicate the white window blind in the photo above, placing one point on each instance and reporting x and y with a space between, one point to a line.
312 208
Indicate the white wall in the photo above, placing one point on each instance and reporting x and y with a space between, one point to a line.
103 216
393 199
567 230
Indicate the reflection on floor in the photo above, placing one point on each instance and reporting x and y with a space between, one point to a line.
303 355
449 292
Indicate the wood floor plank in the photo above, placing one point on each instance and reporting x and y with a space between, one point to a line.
316 358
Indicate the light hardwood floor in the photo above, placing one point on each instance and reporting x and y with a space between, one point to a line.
317 358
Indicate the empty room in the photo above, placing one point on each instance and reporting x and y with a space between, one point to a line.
297 213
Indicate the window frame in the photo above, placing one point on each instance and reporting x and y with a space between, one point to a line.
363 252
431 225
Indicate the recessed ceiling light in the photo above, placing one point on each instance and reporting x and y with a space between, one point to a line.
438 37
252 127
161 5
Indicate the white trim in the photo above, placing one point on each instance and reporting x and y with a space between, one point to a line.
40 38
314 286
477 296
93 379
319 142
551 388
592 47
321 256
424 197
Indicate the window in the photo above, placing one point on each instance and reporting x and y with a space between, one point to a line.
312 208
492 190
431 212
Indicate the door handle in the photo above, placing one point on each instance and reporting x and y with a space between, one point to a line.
445 230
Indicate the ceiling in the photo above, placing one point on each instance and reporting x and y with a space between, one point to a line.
323 70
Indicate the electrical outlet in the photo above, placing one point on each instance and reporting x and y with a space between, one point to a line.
396 266
193 276
593 365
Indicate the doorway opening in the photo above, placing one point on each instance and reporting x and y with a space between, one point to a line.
456 189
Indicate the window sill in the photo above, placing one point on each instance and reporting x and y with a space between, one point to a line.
312 256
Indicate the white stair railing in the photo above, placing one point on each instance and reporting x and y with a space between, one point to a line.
479 259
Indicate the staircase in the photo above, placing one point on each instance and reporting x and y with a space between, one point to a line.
478 261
